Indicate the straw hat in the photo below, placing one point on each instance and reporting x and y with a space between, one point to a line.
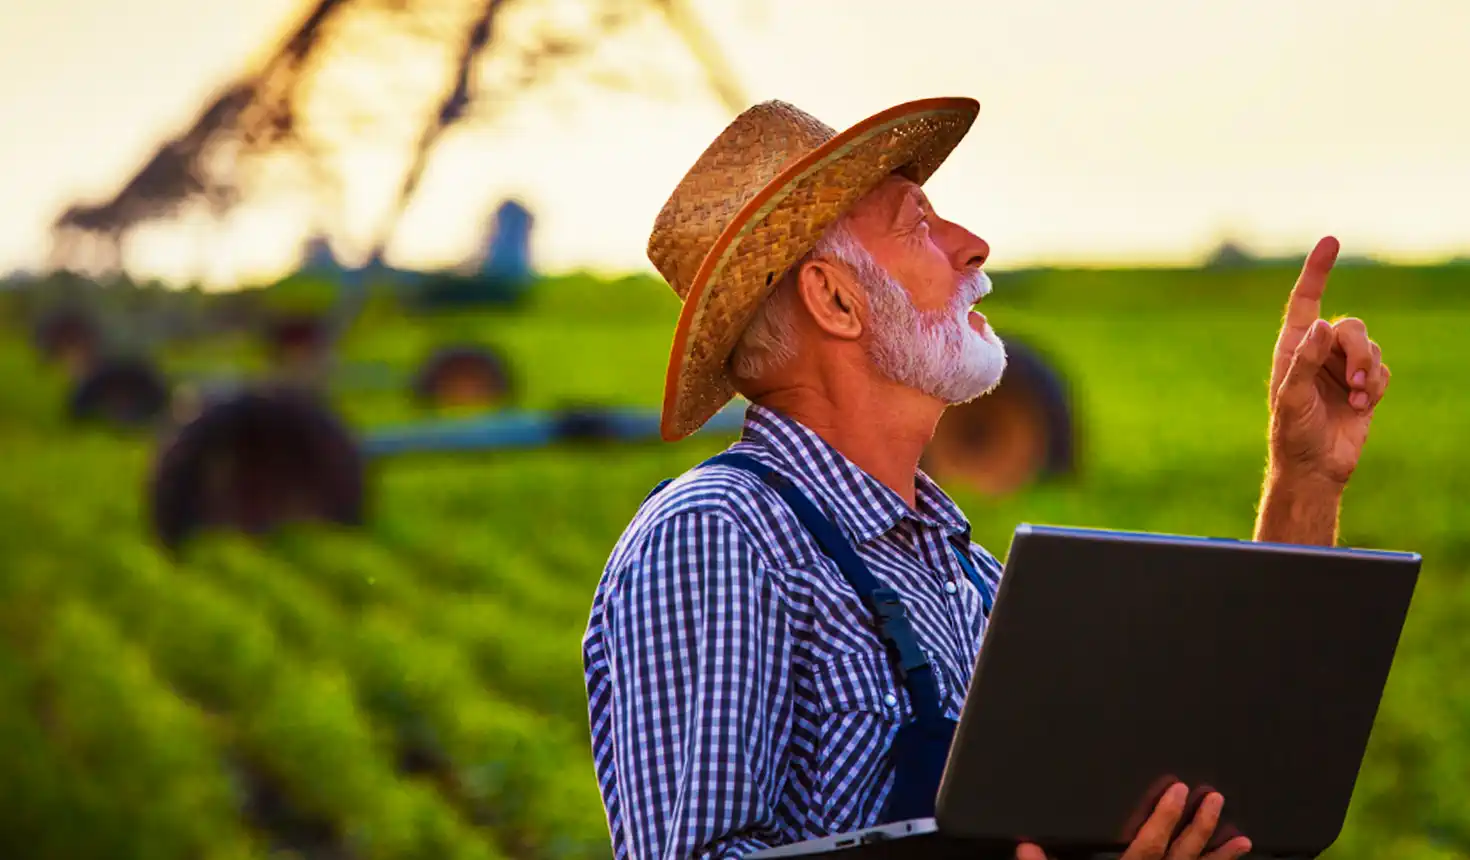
753 204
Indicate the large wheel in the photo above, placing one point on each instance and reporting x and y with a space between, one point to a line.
1021 432
123 392
463 375
254 462
70 338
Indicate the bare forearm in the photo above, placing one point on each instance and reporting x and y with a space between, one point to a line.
1298 509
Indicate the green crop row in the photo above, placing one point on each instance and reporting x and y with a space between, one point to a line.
511 648
420 680
104 741
295 722
413 688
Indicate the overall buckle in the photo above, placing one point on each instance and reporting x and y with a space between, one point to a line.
896 631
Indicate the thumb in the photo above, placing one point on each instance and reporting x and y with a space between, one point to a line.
1309 357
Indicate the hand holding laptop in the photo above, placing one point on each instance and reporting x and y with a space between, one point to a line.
1070 741
1153 839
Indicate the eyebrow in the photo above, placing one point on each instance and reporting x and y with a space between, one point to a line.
916 195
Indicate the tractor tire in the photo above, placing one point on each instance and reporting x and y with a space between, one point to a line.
464 375
254 462
297 340
121 392
1020 433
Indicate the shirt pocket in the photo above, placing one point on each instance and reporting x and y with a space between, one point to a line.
860 707
861 683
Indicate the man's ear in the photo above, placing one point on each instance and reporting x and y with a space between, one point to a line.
829 294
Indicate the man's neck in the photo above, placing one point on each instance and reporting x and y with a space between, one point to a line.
883 432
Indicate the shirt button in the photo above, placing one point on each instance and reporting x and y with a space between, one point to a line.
950 587
890 700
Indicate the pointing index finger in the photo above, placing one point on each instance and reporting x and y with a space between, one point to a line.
1305 304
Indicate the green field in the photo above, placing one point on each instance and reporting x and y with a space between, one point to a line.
414 689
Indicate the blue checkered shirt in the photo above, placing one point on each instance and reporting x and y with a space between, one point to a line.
739 697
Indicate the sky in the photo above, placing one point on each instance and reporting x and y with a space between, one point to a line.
1132 131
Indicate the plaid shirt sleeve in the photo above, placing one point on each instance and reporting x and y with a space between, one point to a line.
699 648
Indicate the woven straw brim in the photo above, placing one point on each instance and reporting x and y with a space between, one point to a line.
781 224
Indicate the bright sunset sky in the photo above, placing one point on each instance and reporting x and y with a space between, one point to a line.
1125 131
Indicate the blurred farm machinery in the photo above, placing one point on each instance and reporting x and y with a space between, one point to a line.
101 338
266 459
340 82
337 87
119 377
348 82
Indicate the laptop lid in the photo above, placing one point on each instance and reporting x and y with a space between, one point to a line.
1117 662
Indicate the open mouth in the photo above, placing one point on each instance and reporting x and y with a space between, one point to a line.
982 289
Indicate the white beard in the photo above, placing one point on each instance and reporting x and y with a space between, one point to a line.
936 352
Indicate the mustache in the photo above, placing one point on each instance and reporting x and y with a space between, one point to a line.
975 286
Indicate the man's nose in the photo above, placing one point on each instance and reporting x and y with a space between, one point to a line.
970 251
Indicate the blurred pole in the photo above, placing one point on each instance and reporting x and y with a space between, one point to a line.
722 78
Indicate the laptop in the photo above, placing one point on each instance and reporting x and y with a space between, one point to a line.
1118 662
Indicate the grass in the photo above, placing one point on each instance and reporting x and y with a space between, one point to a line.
414 688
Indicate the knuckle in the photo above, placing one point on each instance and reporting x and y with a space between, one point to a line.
1351 333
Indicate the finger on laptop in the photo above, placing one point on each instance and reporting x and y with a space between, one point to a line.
1232 850
1028 851
1153 837
1194 838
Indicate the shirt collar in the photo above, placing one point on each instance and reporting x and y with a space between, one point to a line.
862 505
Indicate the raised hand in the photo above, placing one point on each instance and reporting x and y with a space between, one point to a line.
1326 380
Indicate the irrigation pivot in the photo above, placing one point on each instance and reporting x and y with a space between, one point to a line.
268 457
273 456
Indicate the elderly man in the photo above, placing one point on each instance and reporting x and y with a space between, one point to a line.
741 694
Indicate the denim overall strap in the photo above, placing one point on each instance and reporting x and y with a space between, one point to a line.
893 622
920 749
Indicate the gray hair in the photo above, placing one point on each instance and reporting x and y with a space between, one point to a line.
768 342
